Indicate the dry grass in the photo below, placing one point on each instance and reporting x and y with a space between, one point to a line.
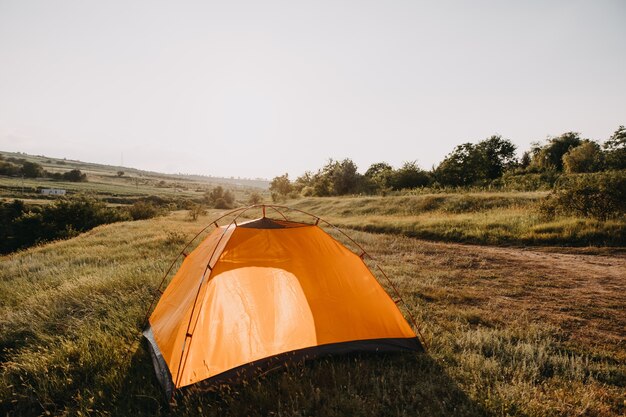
512 332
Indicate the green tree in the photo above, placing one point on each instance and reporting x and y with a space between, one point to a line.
344 177
496 155
615 150
280 187
32 170
410 175
586 157
550 156
460 167
525 160
381 174
219 198
303 181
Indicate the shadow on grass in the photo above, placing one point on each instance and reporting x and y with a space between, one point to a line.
360 384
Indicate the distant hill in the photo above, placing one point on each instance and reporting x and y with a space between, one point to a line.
57 164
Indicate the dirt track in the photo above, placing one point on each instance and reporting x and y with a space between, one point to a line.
582 292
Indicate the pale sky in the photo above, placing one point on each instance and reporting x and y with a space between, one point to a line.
259 88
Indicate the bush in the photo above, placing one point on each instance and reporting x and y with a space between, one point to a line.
32 170
22 226
601 196
255 198
220 203
75 175
195 211
520 181
142 210
219 198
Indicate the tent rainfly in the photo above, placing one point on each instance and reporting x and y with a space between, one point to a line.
254 295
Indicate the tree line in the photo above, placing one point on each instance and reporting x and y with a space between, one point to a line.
19 167
491 162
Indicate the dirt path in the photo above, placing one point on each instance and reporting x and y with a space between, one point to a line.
581 292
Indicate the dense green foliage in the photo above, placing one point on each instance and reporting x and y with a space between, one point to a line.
471 164
488 164
601 196
23 225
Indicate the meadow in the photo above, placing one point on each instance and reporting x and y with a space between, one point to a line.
487 218
513 330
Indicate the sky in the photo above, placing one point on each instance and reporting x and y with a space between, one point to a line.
260 88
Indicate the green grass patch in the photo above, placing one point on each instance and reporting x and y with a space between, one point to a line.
482 218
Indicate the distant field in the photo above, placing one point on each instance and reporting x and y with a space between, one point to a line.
512 332
494 218
104 182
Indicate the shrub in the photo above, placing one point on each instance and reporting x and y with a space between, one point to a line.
22 226
255 198
142 210
195 211
175 237
521 181
220 198
601 196
220 203
75 175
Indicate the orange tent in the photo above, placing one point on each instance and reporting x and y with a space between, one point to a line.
255 294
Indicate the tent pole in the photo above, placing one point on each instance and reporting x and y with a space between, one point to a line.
189 331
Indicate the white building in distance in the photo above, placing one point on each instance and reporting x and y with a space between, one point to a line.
52 191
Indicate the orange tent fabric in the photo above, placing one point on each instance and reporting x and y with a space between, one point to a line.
259 290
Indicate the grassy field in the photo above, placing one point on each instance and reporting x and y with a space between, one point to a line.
530 332
493 218
104 182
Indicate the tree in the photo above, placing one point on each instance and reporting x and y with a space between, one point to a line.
550 156
344 177
280 187
496 156
219 198
615 150
120 173
409 176
586 157
460 167
337 178
380 174
32 170
303 181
